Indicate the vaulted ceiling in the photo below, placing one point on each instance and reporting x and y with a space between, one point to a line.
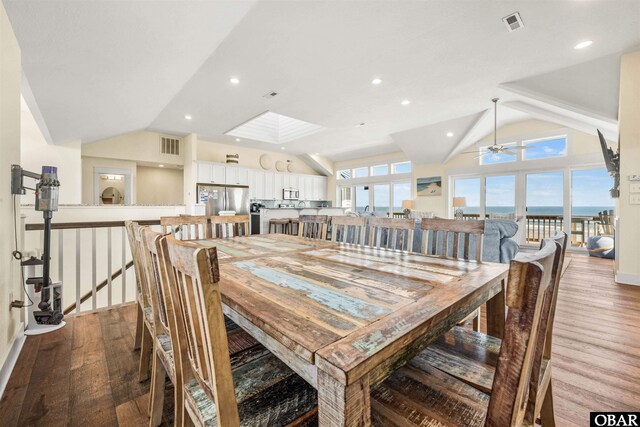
95 69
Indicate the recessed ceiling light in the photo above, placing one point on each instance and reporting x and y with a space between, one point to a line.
449 134
376 81
282 148
188 117
237 139
405 102
583 44
160 166
234 80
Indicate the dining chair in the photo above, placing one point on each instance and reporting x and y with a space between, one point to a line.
252 387
229 226
420 394
348 229
472 356
186 227
313 226
443 237
144 319
391 233
166 361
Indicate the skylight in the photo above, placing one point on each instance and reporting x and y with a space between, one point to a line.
274 128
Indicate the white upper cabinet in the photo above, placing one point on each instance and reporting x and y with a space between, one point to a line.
211 173
265 185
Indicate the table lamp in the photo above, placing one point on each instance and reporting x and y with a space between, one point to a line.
407 205
459 203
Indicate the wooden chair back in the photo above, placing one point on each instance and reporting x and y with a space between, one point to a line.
156 273
348 229
313 226
391 233
527 296
229 226
194 269
185 227
435 238
606 227
139 261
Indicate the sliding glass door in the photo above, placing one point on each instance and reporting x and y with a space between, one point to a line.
589 199
544 205
469 189
500 196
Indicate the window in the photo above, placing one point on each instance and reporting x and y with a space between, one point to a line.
344 174
545 148
361 172
362 198
380 170
491 158
589 197
344 197
469 188
381 194
402 167
401 191
500 195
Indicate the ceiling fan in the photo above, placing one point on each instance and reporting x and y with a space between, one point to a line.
496 149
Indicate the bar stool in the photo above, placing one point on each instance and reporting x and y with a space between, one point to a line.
294 222
282 222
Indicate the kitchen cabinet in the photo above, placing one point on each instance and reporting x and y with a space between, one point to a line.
278 185
236 175
211 173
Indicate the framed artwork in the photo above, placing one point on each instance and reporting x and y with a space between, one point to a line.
431 186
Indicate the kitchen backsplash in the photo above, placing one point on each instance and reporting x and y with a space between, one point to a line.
296 203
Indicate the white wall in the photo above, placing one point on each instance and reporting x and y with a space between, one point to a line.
159 186
10 286
141 146
249 157
36 152
628 245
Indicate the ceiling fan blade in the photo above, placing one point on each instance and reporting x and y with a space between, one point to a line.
509 152
483 154
518 147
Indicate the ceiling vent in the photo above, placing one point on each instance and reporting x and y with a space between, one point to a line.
513 22
169 145
269 95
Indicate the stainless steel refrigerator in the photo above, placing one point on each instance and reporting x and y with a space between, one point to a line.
224 198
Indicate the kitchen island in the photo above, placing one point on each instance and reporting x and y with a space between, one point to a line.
276 213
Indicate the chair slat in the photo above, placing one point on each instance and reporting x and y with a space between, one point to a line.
383 233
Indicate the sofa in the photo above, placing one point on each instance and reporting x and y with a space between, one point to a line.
499 244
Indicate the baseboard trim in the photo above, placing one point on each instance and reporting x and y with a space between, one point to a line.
12 358
627 279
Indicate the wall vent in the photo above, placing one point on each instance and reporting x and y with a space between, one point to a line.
513 22
169 146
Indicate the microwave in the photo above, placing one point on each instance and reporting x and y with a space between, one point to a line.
290 194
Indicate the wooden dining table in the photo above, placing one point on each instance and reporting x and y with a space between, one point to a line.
344 317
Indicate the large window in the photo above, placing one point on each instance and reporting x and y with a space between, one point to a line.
500 193
589 199
493 158
545 148
469 188
378 189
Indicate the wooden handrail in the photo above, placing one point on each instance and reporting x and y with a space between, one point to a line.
90 224
98 288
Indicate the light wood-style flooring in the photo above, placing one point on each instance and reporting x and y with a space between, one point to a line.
86 373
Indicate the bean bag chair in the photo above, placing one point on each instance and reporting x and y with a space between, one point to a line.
601 247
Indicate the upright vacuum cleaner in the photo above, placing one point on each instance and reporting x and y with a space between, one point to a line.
46 192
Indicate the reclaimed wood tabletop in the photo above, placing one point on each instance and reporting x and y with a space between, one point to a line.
344 317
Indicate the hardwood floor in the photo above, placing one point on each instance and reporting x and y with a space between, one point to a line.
86 373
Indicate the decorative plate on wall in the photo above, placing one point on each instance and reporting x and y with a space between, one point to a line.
266 162
281 166
290 167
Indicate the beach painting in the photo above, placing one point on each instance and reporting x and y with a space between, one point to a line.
431 186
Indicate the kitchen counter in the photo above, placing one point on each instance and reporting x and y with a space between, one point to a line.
277 213
301 209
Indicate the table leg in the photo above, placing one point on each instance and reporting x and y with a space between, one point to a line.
496 313
343 406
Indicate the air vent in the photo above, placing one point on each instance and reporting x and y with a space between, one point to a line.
269 95
169 146
513 22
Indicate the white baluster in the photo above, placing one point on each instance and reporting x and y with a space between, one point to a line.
78 270
93 270
109 266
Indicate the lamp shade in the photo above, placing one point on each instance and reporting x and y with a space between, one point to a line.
407 204
459 202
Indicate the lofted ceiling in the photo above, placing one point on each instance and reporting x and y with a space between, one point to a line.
95 69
